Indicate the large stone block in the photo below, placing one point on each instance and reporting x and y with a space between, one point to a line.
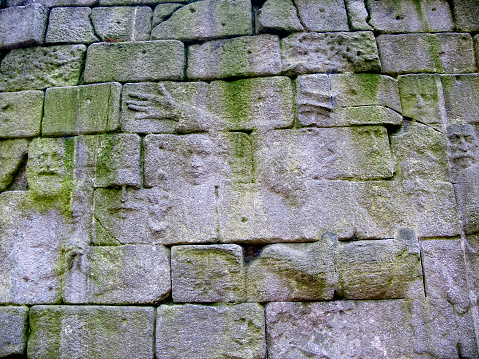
253 104
357 15
52 3
206 20
456 53
204 332
163 12
81 109
122 23
12 155
135 61
278 16
138 2
247 56
320 15
70 25
13 330
91 332
41 67
207 273
466 14
329 52
21 114
22 26
461 95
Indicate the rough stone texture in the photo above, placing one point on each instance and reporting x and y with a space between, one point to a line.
320 15
466 14
461 98
122 23
206 20
13 330
456 53
52 3
81 109
20 114
278 16
12 155
329 52
22 26
242 56
70 25
163 12
41 67
138 2
357 15
91 332
207 273
135 61
218 331
130 274
253 104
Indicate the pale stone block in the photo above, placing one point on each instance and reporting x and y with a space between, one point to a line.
41 67
461 95
456 53
278 16
204 332
91 332
21 114
207 273
163 12
357 15
12 155
70 25
467 190
13 330
246 56
206 20
323 15
135 61
81 109
122 23
466 14
52 3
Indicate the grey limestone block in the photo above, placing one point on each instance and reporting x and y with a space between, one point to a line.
466 14
357 15
207 20
12 155
278 16
70 25
91 332
204 332
461 98
81 109
246 56
330 52
466 183
292 272
122 23
135 61
253 104
22 26
129 274
21 114
321 16
456 53
13 330
40 67
207 273
163 12
138 2
410 16
52 3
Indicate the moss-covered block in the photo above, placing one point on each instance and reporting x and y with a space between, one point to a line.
12 154
20 114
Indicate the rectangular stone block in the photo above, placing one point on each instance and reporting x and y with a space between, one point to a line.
329 52
135 61
203 332
70 25
456 53
278 16
461 95
13 330
37 68
22 26
81 109
207 273
247 56
91 332
51 3
466 14
12 155
357 15
320 15
20 114
253 104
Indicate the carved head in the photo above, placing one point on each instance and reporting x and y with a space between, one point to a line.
462 145
198 158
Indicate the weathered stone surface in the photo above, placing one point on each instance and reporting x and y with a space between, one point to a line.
242 56
472 268
218 331
13 330
135 61
167 107
138 2
206 20
466 14
278 16
52 3
81 109
70 25
476 46
410 16
22 26
130 274
122 23
320 15
41 67
20 114
456 53
91 332
329 52
253 104
461 95
293 271
163 12
12 154
207 273
357 15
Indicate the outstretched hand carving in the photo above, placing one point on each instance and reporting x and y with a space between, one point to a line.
150 106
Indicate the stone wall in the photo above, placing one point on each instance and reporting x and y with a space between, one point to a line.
227 179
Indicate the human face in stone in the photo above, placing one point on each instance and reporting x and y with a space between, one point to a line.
462 145
419 98
199 151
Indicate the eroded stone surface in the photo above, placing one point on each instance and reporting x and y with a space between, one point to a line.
278 16
21 114
466 14
357 15
12 154
13 330
70 25
317 15
461 98
163 12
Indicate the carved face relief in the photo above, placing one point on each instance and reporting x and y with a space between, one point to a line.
198 159
462 145
419 98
